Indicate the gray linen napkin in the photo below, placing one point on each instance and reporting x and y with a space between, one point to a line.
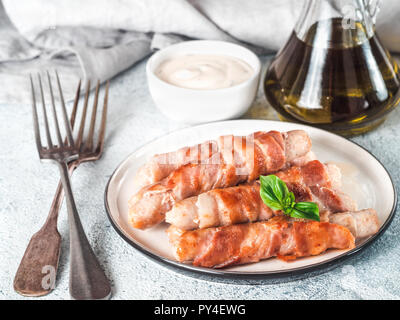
97 39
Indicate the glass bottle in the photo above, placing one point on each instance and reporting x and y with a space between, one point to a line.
333 71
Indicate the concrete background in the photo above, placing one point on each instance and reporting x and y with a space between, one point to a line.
27 188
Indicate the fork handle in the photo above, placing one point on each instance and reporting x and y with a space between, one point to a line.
42 253
87 279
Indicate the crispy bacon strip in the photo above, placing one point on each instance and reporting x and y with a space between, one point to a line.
239 160
241 204
161 165
251 242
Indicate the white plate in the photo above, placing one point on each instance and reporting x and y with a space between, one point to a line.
374 189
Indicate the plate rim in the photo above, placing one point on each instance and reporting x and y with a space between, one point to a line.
221 273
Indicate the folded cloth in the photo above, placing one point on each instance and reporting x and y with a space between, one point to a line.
97 39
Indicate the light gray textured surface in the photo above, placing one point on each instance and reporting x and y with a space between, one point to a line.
27 187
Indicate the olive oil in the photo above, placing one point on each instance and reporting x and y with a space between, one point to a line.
335 78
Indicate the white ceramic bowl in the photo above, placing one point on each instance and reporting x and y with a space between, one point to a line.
197 106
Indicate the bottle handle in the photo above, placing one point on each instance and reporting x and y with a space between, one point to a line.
373 7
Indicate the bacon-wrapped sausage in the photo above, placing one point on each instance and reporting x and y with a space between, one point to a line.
363 223
240 159
161 165
241 204
280 237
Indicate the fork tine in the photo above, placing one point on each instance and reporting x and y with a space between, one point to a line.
60 142
83 116
102 132
64 112
75 107
89 142
35 117
46 122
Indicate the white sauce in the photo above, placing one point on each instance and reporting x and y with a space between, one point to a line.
204 72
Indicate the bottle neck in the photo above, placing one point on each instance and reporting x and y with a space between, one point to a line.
356 16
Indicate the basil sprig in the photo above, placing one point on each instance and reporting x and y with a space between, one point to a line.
277 196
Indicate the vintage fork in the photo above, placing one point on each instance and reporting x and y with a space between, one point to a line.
87 279
37 270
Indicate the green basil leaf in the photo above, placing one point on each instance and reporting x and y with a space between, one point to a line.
270 200
276 195
274 192
306 210
275 186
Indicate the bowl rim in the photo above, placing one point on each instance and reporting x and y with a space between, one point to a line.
256 74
